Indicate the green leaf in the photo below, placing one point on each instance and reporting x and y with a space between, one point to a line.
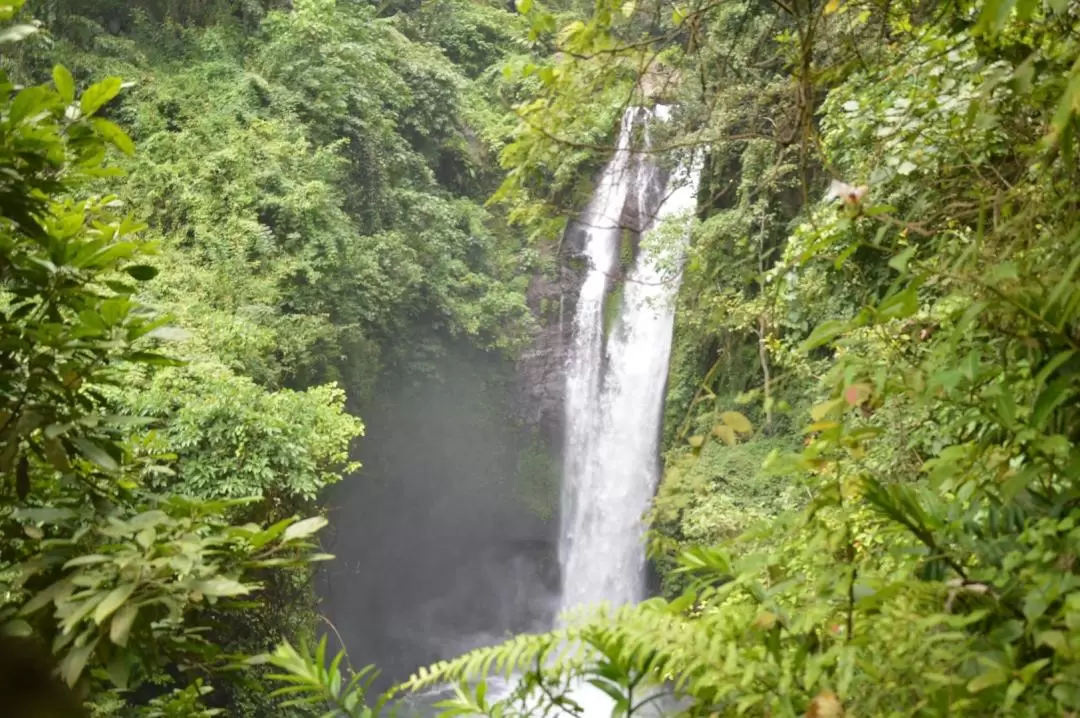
28 102
119 139
112 602
153 359
87 560
170 334
57 456
221 586
1004 270
993 677
833 406
1054 639
97 96
737 422
120 628
266 536
900 305
303 529
119 670
524 6
993 16
142 272
726 434
72 665
45 597
825 333
95 453
1015 690
65 83
900 261
1051 366
46 515
1049 399
1026 8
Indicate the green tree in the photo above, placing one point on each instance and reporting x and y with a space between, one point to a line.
114 580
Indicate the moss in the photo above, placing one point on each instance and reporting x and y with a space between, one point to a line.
612 305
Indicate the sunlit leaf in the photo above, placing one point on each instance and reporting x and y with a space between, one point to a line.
65 83
725 433
303 529
122 621
112 602
98 95
115 136
737 421
221 586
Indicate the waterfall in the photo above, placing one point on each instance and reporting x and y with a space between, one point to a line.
615 385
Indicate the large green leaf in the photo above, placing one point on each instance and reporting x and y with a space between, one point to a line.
98 95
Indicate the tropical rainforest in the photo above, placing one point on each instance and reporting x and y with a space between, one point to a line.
227 223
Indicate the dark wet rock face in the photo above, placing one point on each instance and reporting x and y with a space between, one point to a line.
541 368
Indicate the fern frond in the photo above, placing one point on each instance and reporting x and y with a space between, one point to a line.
520 651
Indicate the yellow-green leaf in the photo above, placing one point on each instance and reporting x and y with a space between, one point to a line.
114 135
121 624
17 627
993 677
54 452
737 421
113 601
96 96
221 587
305 528
820 411
725 433
65 83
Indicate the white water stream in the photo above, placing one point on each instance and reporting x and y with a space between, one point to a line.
615 385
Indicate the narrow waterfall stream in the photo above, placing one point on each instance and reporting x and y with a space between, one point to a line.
615 384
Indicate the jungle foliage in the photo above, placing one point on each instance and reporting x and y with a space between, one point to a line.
117 581
223 220
870 500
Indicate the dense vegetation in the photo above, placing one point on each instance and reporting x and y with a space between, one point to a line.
223 222
870 496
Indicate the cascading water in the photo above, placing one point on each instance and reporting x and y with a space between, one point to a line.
615 387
